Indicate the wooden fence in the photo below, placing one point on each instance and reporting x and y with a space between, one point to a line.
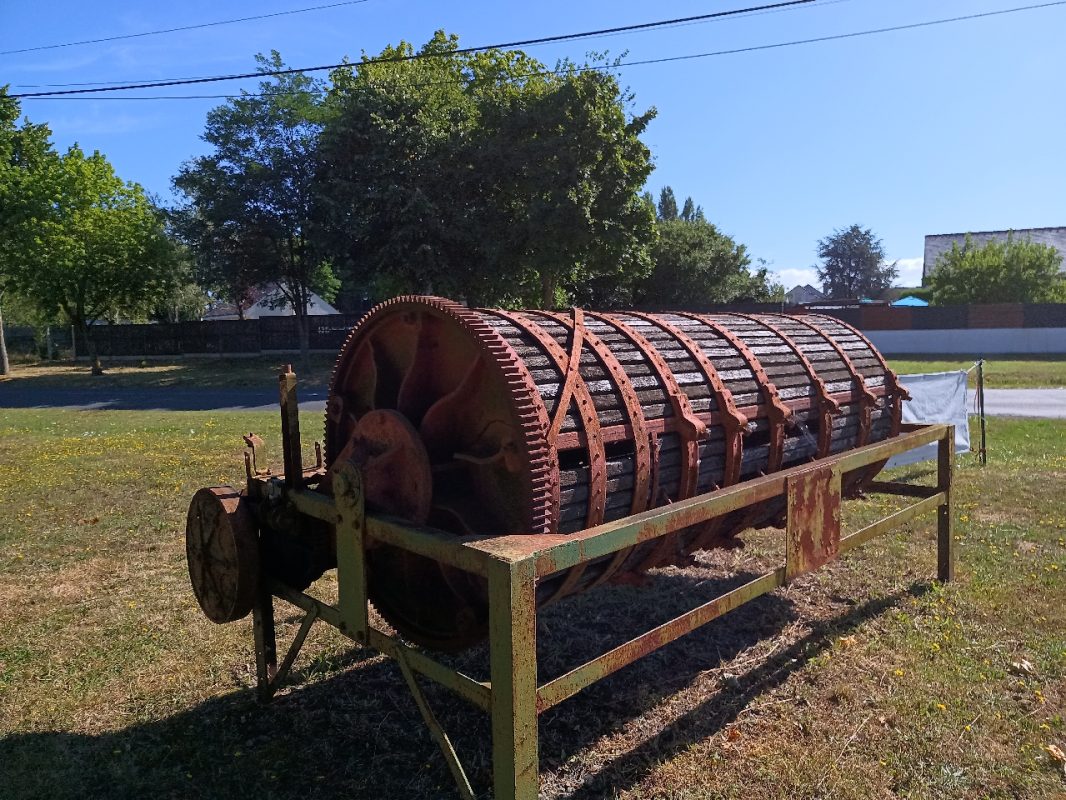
328 332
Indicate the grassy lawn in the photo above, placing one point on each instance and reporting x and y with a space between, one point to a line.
1000 373
862 680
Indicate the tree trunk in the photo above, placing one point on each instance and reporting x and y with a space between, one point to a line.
5 365
90 348
304 335
547 290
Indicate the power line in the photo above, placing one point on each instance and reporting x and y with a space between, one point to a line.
644 62
814 4
181 28
566 37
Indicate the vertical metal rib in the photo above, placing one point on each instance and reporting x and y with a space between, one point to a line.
776 410
899 391
867 400
569 366
634 412
732 420
827 406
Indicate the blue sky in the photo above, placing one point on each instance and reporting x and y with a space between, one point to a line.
942 129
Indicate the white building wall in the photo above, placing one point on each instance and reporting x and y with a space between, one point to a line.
971 341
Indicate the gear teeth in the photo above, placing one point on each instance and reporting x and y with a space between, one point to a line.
531 414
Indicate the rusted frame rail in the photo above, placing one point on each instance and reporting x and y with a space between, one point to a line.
512 566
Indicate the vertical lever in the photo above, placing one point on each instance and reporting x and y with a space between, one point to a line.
290 429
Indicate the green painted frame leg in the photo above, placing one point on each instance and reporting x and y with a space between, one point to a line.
945 527
438 733
513 671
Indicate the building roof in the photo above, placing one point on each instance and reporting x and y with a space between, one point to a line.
938 244
803 294
269 303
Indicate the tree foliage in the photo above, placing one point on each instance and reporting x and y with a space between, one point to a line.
28 190
1010 271
75 238
101 253
697 265
484 176
250 202
853 264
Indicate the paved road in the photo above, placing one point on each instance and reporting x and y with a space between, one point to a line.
998 402
154 399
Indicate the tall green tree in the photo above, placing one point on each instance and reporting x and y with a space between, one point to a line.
250 201
853 264
697 265
485 176
29 190
101 253
1010 271
667 208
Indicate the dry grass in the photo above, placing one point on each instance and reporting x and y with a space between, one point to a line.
862 680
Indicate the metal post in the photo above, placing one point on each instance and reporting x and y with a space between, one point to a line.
351 551
266 646
513 671
945 548
981 407
290 429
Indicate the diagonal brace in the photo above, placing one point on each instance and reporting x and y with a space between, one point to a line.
438 733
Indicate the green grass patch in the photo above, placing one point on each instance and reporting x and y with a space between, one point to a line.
1000 373
864 679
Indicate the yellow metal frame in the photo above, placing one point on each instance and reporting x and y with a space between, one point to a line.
512 565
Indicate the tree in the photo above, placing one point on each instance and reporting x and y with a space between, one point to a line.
667 205
1011 271
696 265
485 176
28 191
101 253
249 215
853 264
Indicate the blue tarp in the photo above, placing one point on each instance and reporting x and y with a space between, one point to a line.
910 301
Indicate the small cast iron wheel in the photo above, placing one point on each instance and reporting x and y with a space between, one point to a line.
222 548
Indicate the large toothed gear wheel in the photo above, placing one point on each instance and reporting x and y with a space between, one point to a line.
424 381
222 548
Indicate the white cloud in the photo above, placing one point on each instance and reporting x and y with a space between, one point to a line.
792 276
910 271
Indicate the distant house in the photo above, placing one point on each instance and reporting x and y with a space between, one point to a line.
939 244
268 302
798 295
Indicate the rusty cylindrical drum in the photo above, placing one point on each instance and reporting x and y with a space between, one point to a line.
508 422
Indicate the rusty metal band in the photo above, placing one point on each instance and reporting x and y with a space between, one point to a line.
733 421
777 412
689 428
641 439
827 406
867 399
899 391
597 459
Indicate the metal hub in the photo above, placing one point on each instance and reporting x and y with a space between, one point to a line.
222 548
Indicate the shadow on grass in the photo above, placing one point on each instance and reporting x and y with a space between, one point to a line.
356 733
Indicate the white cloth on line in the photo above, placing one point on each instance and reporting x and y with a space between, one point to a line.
935 397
